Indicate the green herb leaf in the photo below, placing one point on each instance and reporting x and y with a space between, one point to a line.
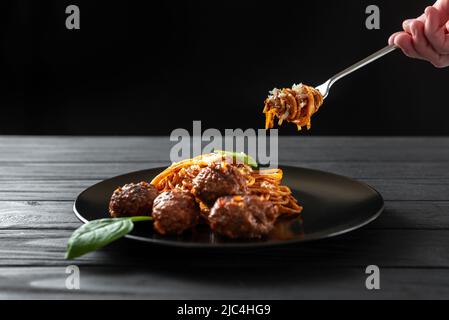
97 233
140 218
240 156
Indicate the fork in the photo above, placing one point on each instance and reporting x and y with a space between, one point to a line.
325 87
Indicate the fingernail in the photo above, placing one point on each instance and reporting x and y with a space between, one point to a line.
407 22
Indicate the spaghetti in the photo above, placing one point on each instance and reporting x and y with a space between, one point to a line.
295 105
263 183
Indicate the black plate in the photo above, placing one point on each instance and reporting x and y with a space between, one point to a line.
333 205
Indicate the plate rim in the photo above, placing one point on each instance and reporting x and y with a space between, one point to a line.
237 245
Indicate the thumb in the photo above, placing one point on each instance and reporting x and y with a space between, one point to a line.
433 20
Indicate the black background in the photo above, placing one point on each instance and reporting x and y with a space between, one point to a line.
147 67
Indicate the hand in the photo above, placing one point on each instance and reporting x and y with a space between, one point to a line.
426 37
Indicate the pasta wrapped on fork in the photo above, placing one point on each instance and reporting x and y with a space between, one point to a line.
295 105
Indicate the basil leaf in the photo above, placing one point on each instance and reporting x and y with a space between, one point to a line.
97 233
140 218
243 157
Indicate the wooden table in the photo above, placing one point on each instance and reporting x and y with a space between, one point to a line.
41 176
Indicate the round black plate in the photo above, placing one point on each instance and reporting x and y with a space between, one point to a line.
333 205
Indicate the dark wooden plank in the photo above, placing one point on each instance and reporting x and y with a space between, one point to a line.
386 248
370 149
391 189
293 282
147 149
90 149
413 215
35 215
381 170
42 189
70 171
97 171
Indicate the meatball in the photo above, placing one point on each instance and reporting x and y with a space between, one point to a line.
217 181
242 217
175 212
134 199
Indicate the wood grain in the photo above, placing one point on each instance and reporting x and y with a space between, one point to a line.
387 248
146 149
221 283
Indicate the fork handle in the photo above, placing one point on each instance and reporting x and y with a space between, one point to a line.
363 63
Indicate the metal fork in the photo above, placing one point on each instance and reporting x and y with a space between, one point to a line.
325 87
